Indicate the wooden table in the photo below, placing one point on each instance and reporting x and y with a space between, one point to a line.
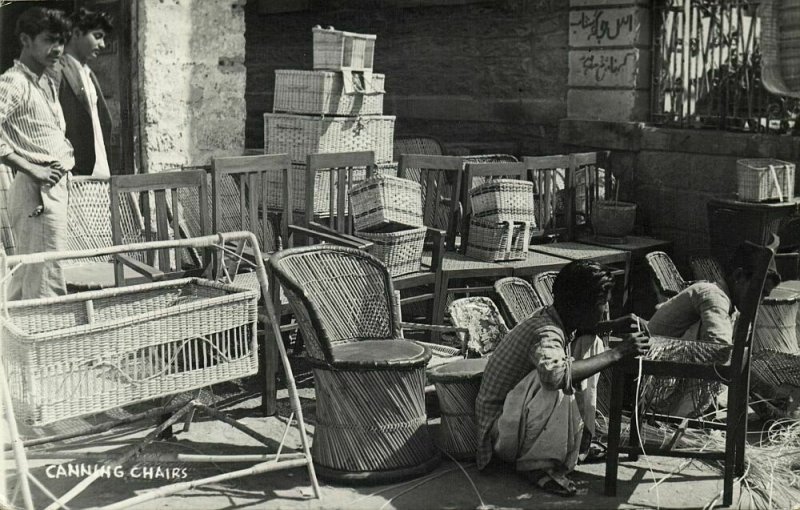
571 250
637 246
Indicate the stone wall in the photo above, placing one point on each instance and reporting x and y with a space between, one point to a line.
191 81
488 77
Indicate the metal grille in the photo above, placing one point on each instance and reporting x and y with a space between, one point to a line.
707 69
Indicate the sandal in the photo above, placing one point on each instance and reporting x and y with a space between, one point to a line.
595 452
553 483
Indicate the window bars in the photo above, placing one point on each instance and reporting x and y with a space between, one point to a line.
707 69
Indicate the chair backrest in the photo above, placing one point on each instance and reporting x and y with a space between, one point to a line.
480 316
441 178
706 267
240 196
748 309
417 145
518 300
567 186
543 286
338 295
666 279
329 177
162 213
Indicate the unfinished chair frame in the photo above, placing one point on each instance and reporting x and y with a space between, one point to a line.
735 374
264 463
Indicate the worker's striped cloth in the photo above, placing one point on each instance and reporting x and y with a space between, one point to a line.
7 244
31 120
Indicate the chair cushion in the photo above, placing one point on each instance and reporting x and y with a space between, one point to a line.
379 355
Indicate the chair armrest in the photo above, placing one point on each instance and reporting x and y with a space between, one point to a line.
440 329
140 267
323 233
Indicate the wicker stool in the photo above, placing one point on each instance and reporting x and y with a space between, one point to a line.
371 425
457 386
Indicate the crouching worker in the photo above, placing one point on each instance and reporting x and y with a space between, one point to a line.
539 388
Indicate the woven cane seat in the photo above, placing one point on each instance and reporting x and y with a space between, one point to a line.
379 354
459 371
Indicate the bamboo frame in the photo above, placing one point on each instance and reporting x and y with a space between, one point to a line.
290 461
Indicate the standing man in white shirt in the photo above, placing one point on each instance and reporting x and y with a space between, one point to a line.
85 109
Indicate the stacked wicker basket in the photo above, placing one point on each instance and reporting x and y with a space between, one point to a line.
336 107
388 212
503 217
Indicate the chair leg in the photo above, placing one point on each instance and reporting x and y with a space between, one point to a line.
439 305
270 363
731 443
635 434
614 426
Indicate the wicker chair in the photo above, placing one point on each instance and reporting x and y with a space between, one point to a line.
370 419
543 286
518 299
417 145
706 267
480 316
666 279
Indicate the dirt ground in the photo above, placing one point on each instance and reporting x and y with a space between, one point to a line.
451 486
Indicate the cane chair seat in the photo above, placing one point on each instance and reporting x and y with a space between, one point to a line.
379 354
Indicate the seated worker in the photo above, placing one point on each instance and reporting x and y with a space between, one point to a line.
703 312
539 387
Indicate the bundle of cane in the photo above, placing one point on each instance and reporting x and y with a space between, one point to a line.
665 394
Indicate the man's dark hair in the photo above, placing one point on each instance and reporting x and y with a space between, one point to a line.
581 283
744 258
87 20
36 20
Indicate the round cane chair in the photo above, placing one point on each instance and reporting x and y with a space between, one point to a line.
543 286
518 299
371 425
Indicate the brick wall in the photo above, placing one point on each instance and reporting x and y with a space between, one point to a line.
487 77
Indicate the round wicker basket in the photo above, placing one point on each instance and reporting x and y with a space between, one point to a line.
614 219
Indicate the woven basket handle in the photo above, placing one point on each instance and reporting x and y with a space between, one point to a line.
510 237
526 241
359 82
777 184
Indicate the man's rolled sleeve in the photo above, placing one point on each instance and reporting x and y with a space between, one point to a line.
550 359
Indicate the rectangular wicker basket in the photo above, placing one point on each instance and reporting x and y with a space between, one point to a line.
322 187
400 250
491 241
503 200
385 199
301 135
93 351
336 50
323 93
763 179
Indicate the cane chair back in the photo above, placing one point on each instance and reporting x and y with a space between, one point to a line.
567 187
480 316
338 295
518 300
162 219
441 178
543 286
667 280
341 169
731 369
417 145
706 267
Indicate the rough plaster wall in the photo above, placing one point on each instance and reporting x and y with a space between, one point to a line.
191 56
483 77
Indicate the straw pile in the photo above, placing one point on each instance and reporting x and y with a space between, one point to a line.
772 466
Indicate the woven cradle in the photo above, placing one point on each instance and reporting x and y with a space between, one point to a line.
518 299
385 199
322 93
401 251
498 241
301 135
764 179
93 351
775 326
324 190
371 421
504 200
335 49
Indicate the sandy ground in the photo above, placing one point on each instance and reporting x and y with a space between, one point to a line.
451 485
